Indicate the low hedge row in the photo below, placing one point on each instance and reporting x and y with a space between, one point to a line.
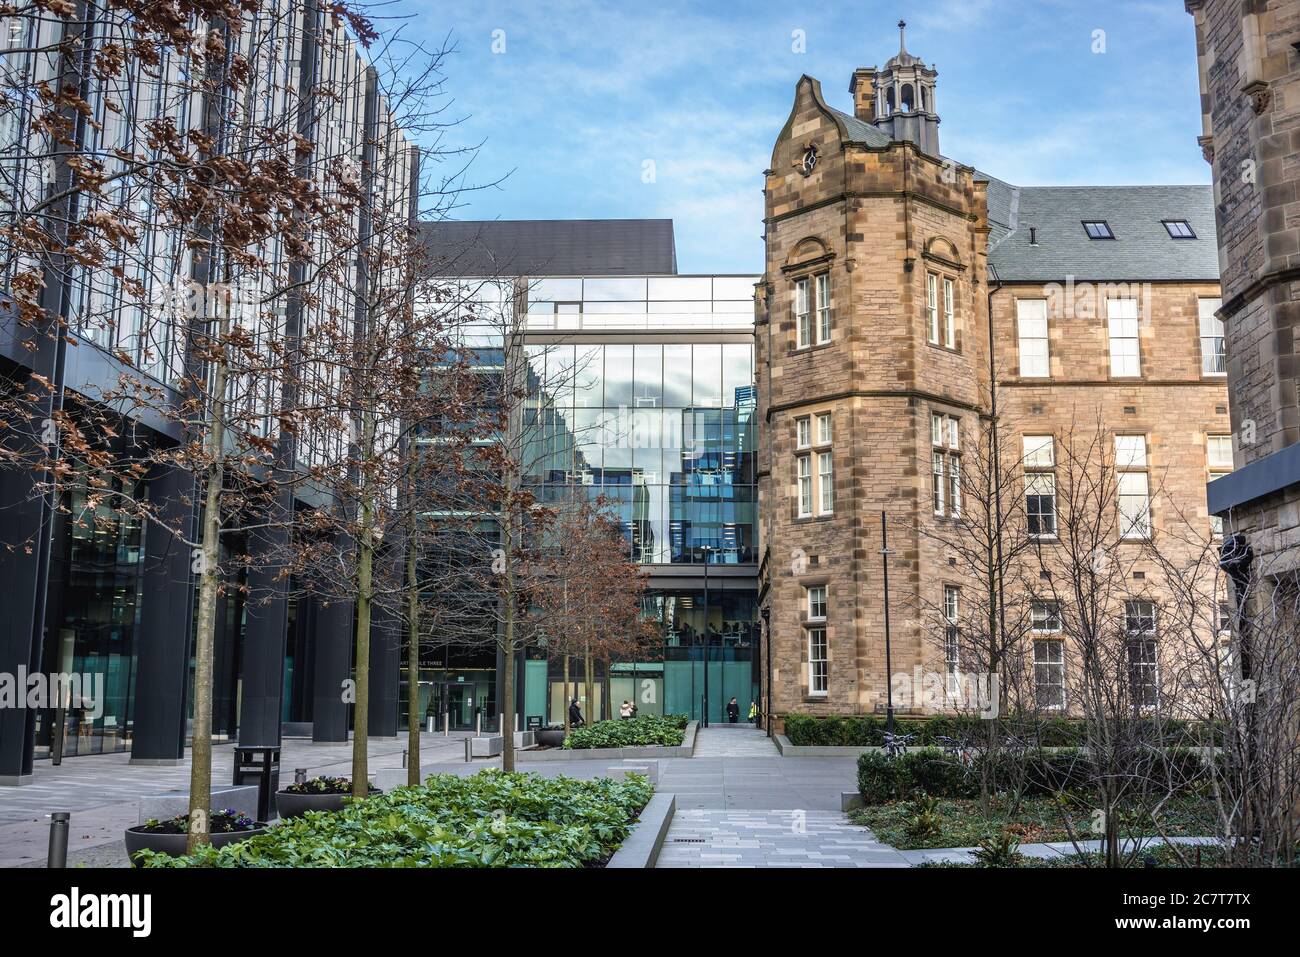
868 730
882 779
646 730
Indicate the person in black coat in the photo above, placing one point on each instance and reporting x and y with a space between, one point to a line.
575 714
733 711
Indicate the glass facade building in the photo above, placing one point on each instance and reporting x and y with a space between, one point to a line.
641 392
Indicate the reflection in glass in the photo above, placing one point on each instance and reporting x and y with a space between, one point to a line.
588 377
682 474
677 375
707 375
649 375
618 376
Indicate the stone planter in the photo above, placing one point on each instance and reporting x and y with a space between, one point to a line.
174 844
550 738
296 805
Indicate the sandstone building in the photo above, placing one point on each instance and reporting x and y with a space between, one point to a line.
900 284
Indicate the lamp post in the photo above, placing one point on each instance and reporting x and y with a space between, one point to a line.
704 715
767 636
889 668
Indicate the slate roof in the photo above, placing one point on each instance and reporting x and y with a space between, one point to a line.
554 247
861 131
1141 250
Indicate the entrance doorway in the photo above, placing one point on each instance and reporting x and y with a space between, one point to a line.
460 700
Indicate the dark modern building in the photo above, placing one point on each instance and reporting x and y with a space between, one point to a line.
87 592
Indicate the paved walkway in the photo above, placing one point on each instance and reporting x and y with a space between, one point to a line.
739 802
733 741
103 791
791 838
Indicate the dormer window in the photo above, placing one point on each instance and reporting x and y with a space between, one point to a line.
1179 229
1098 229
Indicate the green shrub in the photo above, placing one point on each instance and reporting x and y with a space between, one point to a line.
923 818
490 819
1035 730
642 731
1037 773
882 779
1001 850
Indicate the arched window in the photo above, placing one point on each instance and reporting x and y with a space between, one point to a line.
907 97
889 101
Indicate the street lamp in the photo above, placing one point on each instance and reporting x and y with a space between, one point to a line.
889 669
704 715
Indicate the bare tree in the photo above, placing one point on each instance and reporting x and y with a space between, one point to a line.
981 623
586 593
1238 622
1124 686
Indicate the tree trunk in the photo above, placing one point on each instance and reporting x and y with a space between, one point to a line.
412 663
361 709
564 703
206 622
605 693
507 707
507 652
589 687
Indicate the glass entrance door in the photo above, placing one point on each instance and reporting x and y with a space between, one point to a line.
460 705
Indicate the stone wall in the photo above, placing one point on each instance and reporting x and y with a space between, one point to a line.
1250 101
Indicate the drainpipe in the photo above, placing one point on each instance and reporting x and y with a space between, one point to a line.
767 632
1236 558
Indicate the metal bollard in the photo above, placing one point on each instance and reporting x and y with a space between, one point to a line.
469 750
299 775
446 723
431 724
404 754
57 855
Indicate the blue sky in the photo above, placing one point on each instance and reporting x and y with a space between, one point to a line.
585 93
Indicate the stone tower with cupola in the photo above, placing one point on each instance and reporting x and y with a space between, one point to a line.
899 100
871 321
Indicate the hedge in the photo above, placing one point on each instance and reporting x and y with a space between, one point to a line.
882 779
648 729
1058 732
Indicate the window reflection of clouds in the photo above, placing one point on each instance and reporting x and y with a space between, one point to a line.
663 432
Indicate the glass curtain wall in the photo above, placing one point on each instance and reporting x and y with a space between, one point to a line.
663 431
93 615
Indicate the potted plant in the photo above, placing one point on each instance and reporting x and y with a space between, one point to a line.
316 794
169 836
551 736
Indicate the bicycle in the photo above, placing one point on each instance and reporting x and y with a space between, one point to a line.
896 744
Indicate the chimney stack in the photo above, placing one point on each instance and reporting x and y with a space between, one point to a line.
863 89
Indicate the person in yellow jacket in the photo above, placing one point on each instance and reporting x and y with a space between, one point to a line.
753 713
